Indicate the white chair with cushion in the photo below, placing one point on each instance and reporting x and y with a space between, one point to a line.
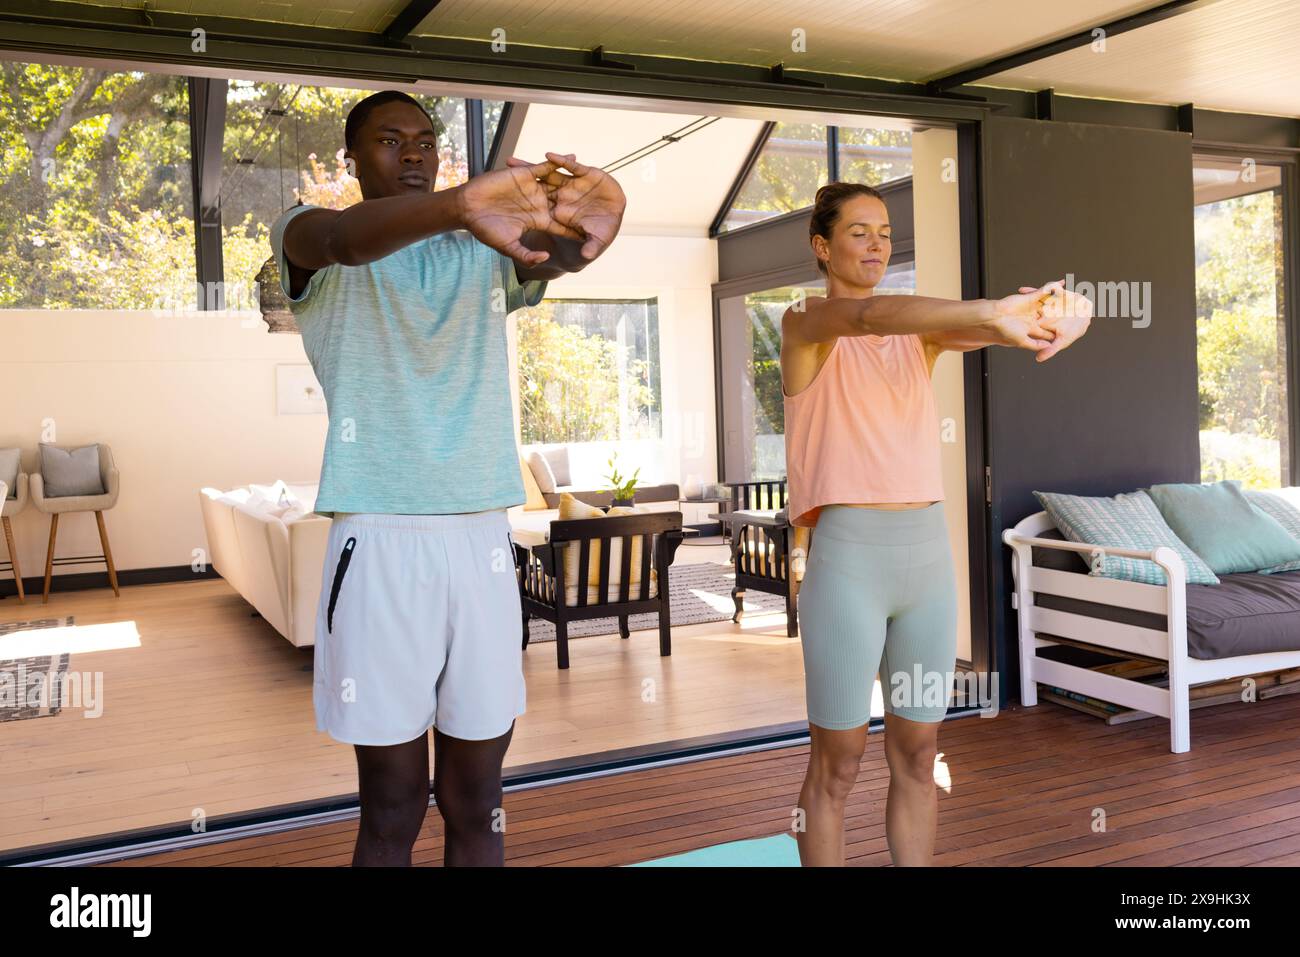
75 479
13 499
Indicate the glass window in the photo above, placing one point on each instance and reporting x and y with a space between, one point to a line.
1240 330
95 209
789 170
284 143
753 402
492 110
874 156
589 371
762 403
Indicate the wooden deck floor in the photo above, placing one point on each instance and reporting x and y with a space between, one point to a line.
206 707
1024 788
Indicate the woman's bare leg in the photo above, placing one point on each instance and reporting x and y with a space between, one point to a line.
912 808
832 771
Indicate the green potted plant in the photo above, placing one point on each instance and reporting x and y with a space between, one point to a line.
624 488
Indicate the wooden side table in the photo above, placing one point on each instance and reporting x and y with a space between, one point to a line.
723 503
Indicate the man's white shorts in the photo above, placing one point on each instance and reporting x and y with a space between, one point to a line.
419 624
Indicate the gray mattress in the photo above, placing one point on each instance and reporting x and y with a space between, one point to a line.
1245 614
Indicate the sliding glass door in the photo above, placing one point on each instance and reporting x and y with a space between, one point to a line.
749 326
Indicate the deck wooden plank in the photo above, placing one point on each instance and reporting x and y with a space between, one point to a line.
1017 789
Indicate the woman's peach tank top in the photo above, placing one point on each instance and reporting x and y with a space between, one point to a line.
865 431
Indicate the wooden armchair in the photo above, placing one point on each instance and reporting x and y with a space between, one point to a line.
561 591
761 494
764 547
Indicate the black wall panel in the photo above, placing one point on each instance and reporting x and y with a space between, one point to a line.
1117 410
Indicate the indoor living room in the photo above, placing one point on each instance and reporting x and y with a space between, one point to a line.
185 628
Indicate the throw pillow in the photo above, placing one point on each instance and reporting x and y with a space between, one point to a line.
1221 525
571 508
304 495
533 498
10 462
541 469
558 459
71 471
236 496
277 493
1283 506
1127 520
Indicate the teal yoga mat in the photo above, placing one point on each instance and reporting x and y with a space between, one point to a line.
779 850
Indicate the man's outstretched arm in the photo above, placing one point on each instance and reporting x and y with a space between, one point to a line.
584 198
498 208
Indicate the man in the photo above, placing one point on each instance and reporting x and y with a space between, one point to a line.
402 302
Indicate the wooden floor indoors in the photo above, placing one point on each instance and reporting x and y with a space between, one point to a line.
210 708
1023 788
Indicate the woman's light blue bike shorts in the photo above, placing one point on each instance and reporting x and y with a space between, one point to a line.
878 594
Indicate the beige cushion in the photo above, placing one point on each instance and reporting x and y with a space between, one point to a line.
558 459
529 527
541 470
572 508
532 492
761 546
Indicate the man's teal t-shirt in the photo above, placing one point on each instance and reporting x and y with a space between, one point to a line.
410 351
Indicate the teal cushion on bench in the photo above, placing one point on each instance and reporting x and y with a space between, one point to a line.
1283 506
1127 520
1221 525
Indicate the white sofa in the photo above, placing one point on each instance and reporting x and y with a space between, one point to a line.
266 542
269 553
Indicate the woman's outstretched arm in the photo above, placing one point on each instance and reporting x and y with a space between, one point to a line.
1066 315
1012 320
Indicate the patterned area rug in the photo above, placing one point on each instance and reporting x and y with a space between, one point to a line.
700 591
32 687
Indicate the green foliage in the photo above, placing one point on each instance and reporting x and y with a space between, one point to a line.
96 198
1240 341
1240 384
623 487
765 311
569 382
94 209
1238 253
1226 455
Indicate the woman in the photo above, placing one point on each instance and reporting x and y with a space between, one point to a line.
862 458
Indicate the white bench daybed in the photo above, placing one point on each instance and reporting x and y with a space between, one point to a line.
1168 644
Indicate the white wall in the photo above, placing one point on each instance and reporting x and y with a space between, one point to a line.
183 400
189 400
938 273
